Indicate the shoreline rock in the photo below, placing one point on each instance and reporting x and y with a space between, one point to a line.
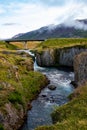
51 87
74 83
80 68
58 57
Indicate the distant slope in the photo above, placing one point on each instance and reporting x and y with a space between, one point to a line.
73 29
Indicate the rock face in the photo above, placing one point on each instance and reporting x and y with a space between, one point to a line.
80 68
46 58
13 118
60 56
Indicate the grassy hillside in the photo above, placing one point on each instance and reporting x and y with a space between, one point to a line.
30 44
6 46
62 42
19 84
73 115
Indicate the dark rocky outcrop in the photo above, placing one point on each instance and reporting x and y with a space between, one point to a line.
80 68
74 83
52 87
13 118
60 56
46 58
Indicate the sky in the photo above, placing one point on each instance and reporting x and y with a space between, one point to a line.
20 16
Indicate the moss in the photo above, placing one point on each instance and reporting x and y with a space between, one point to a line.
1 127
15 97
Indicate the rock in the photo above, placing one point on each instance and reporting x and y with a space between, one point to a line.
60 56
29 106
74 84
51 87
15 67
80 68
43 95
13 118
46 58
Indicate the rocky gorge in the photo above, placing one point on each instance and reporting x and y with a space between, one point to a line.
75 57
59 57
66 115
71 115
16 94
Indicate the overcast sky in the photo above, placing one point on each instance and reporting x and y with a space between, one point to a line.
19 16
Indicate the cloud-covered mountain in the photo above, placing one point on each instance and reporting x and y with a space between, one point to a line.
77 28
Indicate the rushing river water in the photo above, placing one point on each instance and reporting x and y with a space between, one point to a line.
48 99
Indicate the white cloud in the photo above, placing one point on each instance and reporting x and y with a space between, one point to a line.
29 16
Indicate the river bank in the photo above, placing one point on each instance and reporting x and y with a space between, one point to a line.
48 99
19 85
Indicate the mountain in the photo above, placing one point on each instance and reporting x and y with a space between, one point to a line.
77 28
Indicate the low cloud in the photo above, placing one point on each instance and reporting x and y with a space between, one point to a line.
76 24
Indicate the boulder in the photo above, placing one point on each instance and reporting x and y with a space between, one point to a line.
74 84
52 87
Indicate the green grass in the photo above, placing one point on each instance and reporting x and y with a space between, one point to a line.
73 115
21 89
15 97
62 42
6 46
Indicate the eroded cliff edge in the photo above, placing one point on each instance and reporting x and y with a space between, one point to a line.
59 57
73 114
80 68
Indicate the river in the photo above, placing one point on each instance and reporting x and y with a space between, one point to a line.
48 99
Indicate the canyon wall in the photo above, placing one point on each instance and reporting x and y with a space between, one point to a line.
60 56
80 68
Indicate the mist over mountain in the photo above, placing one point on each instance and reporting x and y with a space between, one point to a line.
68 29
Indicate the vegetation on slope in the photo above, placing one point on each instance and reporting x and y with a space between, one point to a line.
6 46
30 44
15 79
73 115
62 42
19 84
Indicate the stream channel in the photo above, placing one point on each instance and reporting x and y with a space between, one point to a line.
48 99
